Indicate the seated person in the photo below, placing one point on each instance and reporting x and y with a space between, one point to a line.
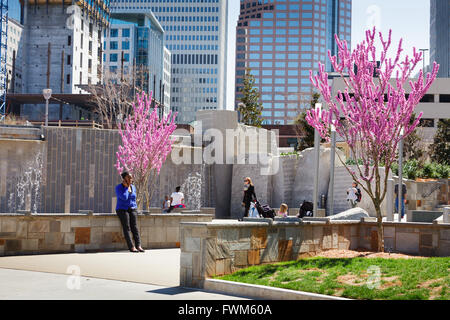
283 212
166 204
176 199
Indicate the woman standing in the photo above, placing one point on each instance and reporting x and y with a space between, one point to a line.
249 195
126 211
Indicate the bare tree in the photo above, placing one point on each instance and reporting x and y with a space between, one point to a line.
113 100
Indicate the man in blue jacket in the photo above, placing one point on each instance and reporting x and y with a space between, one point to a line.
126 210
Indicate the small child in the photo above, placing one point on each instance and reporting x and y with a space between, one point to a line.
166 204
283 212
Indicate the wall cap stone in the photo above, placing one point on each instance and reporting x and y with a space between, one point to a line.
264 292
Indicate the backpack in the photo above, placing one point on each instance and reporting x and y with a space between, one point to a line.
306 209
358 195
265 211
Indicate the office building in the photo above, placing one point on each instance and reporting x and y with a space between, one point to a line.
61 51
281 41
440 35
134 48
14 58
196 36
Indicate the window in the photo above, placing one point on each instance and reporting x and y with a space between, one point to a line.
68 79
114 33
69 40
125 32
113 45
113 57
125 45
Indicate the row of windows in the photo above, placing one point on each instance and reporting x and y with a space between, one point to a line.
191 28
194 71
276 81
114 32
114 57
276 64
114 45
277 72
193 90
194 59
188 18
192 38
189 47
293 23
185 9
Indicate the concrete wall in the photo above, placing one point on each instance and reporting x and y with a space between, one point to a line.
51 233
78 172
210 249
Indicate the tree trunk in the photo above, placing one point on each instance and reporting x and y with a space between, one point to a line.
380 231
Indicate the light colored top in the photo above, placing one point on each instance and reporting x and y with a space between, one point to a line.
166 204
177 197
352 194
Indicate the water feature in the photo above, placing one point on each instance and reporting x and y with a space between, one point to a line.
193 188
25 188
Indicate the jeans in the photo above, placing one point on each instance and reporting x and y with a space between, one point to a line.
128 219
403 206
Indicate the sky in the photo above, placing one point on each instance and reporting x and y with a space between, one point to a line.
408 19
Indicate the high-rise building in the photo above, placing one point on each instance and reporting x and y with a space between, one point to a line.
138 39
14 57
62 49
196 36
280 41
440 35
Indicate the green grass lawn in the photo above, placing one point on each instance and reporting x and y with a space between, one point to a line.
356 278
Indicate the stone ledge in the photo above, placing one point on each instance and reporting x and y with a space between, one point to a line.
262 292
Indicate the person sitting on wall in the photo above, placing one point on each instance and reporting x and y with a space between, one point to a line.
126 210
166 204
283 212
176 200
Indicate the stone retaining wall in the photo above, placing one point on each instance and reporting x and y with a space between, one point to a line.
223 247
52 233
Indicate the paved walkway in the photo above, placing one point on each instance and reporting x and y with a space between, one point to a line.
107 275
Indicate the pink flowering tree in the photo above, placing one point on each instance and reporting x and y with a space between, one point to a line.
373 111
146 143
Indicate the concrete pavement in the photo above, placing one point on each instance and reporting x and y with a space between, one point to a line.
107 275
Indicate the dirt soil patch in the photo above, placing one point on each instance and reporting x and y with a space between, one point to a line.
334 253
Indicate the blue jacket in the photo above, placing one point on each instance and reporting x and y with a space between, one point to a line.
125 199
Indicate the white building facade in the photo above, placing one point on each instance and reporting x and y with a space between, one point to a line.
196 36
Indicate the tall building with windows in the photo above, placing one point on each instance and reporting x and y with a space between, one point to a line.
61 50
196 36
137 38
440 35
280 41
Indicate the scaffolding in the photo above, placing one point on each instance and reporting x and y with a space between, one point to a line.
3 56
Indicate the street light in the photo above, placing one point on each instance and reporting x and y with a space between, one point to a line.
47 94
317 159
423 58
400 176
332 158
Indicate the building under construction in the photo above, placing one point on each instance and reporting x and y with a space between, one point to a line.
62 49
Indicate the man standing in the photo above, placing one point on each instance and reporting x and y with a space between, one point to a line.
403 198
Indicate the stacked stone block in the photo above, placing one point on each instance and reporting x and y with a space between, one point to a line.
54 233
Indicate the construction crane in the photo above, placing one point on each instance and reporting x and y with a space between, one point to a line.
3 56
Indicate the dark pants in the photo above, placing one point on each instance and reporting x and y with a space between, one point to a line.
170 209
128 219
247 208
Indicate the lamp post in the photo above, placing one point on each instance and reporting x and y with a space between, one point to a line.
423 59
400 175
317 159
332 158
47 95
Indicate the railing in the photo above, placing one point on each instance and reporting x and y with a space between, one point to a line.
71 123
